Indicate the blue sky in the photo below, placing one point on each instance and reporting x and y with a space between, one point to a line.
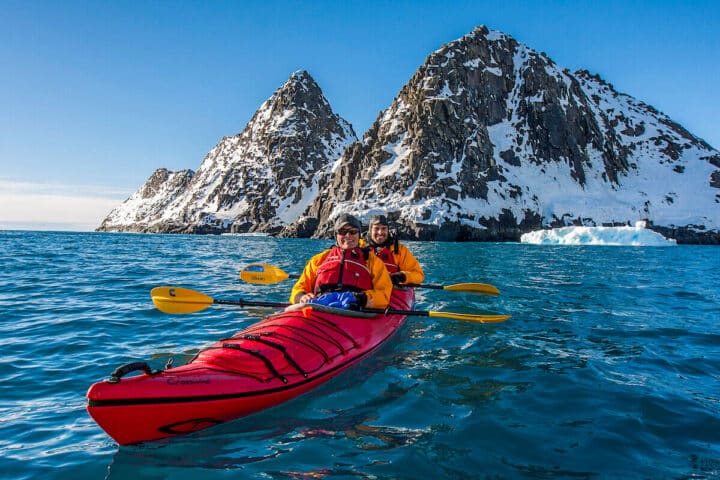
96 95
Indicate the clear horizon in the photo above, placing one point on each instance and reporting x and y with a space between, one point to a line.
99 95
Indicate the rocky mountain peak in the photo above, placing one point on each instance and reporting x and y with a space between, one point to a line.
262 178
490 139
300 89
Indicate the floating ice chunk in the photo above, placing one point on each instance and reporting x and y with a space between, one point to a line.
634 236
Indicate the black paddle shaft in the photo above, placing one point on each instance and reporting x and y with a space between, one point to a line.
251 303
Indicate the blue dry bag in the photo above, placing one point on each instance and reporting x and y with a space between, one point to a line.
336 300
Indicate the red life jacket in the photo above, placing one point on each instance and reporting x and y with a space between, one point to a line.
343 270
385 254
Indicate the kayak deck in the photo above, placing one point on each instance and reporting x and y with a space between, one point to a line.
268 363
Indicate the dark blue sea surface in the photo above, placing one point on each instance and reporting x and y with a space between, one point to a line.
609 367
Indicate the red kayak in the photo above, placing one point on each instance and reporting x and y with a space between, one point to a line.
268 363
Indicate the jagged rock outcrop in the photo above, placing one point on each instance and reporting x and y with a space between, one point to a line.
490 139
256 181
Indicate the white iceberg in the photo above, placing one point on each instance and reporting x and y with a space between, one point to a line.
637 236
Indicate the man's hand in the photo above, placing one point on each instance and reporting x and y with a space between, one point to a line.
397 278
304 297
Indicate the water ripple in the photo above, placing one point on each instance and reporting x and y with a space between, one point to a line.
607 369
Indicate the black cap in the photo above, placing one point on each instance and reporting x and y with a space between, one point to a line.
378 219
347 219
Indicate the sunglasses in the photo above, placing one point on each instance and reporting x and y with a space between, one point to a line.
345 231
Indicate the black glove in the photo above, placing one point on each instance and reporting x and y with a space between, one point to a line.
397 278
360 301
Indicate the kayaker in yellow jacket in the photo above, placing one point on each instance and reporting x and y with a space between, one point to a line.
344 276
400 262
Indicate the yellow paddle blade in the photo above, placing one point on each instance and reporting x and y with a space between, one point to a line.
483 288
469 317
179 300
262 273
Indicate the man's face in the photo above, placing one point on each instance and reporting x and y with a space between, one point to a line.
347 237
379 233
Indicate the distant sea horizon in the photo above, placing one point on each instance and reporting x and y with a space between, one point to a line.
49 226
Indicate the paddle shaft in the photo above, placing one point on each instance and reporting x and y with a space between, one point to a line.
261 273
250 303
433 286
384 311
392 311
469 317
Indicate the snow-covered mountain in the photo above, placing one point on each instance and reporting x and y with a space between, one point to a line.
488 140
259 180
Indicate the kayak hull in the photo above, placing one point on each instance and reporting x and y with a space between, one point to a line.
264 365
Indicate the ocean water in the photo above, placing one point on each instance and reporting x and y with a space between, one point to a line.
608 369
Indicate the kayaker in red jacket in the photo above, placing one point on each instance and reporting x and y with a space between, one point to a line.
400 262
345 275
